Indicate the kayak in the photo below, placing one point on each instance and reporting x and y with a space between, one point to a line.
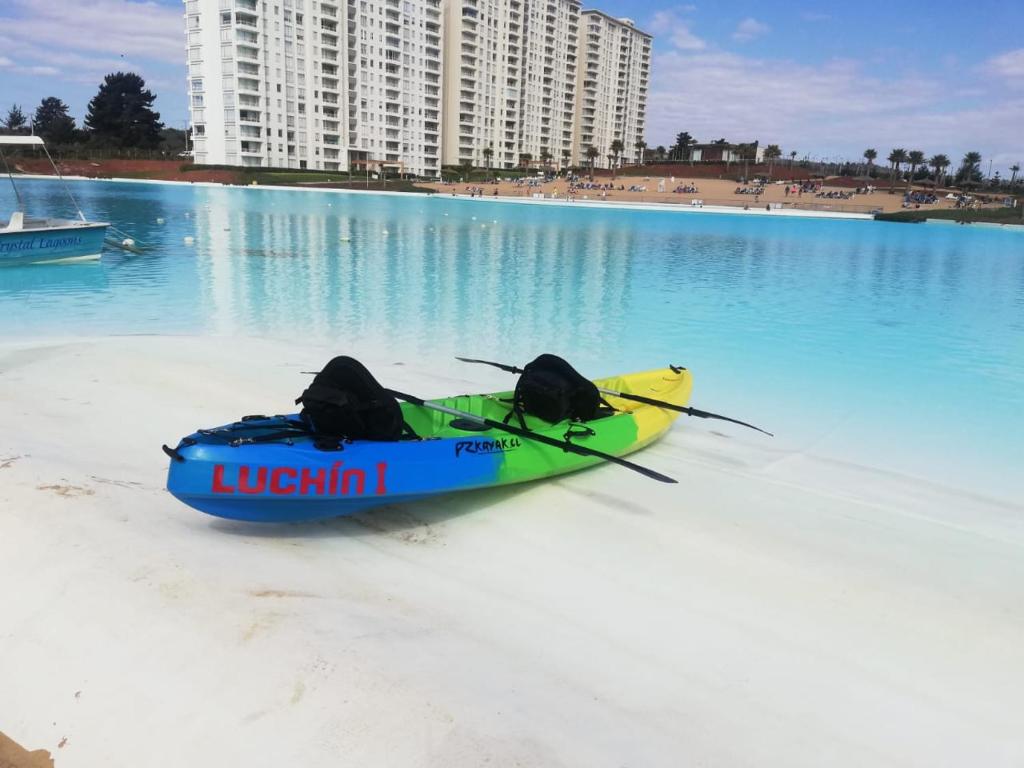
228 472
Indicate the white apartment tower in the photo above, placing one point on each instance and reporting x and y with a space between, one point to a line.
315 83
404 85
548 79
483 50
394 85
510 77
612 81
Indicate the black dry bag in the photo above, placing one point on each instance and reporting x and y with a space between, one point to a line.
345 401
553 390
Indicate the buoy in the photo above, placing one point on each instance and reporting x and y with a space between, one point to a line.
190 241
128 242
159 221
474 218
446 214
383 231
187 215
345 239
495 221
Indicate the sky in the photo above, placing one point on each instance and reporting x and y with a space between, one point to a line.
824 79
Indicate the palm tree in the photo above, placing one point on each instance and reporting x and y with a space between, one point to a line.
660 149
592 154
969 166
566 157
616 148
792 157
771 152
640 146
896 158
939 163
488 153
525 159
869 155
915 158
1014 170
545 155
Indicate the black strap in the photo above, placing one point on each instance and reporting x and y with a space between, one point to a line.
577 429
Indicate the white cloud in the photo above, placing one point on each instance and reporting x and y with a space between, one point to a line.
40 70
112 27
1009 65
666 24
5 62
750 28
824 109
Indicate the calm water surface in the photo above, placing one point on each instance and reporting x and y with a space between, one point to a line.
893 345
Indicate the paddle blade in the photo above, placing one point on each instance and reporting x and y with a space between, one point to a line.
502 366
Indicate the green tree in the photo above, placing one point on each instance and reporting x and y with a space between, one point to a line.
121 113
566 157
939 163
592 154
488 153
616 148
1014 170
896 159
545 156
15 121
525 159
869 155
970 168
792 157
914 158
681 149
772 152
640 146
660 150
53 122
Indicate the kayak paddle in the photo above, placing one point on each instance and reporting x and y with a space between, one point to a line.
565 445
638 398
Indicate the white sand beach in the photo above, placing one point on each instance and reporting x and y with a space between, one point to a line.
771 609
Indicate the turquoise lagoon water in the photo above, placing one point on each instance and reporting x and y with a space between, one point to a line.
895 346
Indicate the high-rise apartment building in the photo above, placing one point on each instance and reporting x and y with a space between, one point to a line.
402 85
548 78
483 55
394 85
510 76
612 81
316 84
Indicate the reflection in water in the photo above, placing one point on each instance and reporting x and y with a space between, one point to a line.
894 345
346 275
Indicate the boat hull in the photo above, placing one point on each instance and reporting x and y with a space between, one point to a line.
52 245
295 482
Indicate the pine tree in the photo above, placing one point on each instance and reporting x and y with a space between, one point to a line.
53 122
121 113
15 120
